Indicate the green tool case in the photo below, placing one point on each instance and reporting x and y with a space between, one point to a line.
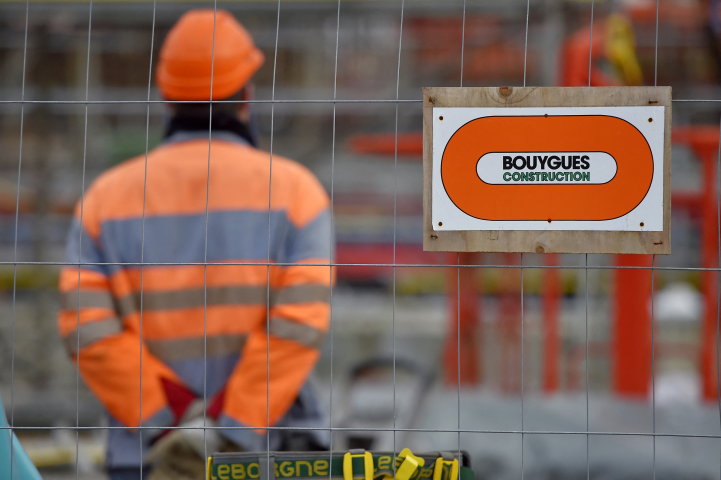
352 465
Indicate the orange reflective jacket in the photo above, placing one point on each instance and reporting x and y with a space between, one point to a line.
205 309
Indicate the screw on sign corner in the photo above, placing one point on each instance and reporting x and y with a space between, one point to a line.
641 224
440 224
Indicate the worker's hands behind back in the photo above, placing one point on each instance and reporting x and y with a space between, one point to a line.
180 453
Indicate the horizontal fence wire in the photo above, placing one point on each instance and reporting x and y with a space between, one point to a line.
329 101
394 265
389 265
163 102
382 429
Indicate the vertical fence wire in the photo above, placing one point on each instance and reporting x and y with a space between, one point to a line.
525 64
395 211
718 280
142 241
80 244
458 260
588 454
331 263
15 246
590 45
270 191
653 264
458 343
205 246
653 364
523 437
525 43
331 252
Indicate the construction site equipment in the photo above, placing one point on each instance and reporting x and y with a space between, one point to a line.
703 140
613 43
192 55
357 464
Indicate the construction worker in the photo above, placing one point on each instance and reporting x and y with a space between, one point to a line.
206 317
614 45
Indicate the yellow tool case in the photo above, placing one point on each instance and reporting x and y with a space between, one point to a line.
352 465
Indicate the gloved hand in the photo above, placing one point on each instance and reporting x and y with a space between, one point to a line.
191 436
180 454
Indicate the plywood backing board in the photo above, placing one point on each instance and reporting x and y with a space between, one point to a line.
545 241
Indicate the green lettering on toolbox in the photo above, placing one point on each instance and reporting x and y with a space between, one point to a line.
291 469
223 472
286 469
301 463
320 467
237 471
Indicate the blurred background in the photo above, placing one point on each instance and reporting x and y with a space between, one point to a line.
577 345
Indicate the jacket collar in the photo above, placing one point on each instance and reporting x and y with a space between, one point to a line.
188 135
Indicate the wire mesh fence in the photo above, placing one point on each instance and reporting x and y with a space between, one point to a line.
78 96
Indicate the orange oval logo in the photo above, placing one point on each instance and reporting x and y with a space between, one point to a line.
533 194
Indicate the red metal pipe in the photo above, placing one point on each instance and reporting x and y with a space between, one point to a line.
704 141
509 325
631 332
710 280
463 328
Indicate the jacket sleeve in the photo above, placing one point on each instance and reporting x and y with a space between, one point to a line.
106 350
280 354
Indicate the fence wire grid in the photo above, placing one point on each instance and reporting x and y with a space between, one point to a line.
523 267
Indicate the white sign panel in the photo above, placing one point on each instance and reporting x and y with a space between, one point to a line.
575 168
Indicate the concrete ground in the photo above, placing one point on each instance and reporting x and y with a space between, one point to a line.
562 451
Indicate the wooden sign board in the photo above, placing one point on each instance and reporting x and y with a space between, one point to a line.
547 170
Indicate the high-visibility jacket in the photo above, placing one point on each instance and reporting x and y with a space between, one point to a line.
213 284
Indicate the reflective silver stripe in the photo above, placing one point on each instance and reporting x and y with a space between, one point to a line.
193 298
92 332
232 295
187 348
297 332
301 294
86 299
